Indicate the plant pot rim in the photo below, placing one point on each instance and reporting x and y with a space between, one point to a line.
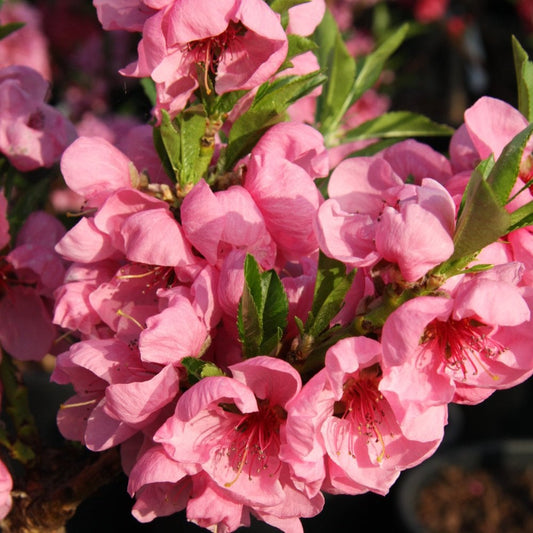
503 452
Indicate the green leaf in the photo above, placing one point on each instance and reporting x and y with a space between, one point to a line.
186 145
333 56
263 311
397 124
369 69
171 143
524 79
504 173
198 369
226 102
281 6
268 108
483 219
148 86
332 284
162 152
521 217
373 148
8 29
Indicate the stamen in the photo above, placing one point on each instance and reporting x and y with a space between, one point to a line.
129 317
80 404
463 345
362 405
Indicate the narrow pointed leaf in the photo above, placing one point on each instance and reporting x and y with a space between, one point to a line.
268 108
333 56
263 310
8 29
524 79
521 217
505 171
369 69
397 124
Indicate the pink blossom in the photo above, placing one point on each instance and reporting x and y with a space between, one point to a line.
6 486
217 222
241 43
32 133
472 338
28 276
4 224
233 428
127 15
304 18
28 45
280 178
116 395
345 430
371 214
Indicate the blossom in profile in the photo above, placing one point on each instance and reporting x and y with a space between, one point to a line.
33 134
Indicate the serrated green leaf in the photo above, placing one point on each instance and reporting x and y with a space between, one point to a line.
226 102
397 124
9 28
263 310
482 221
196 154
332 284
524 79
275 312
186 147
281 6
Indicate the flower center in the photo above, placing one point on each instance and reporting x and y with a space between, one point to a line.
209 50
363 405
254 439
464 345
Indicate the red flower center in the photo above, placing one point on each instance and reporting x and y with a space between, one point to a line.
463 345
363 405
254 439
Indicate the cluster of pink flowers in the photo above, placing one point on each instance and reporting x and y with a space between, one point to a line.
166 291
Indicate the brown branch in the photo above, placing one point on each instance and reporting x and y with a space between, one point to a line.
46 506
